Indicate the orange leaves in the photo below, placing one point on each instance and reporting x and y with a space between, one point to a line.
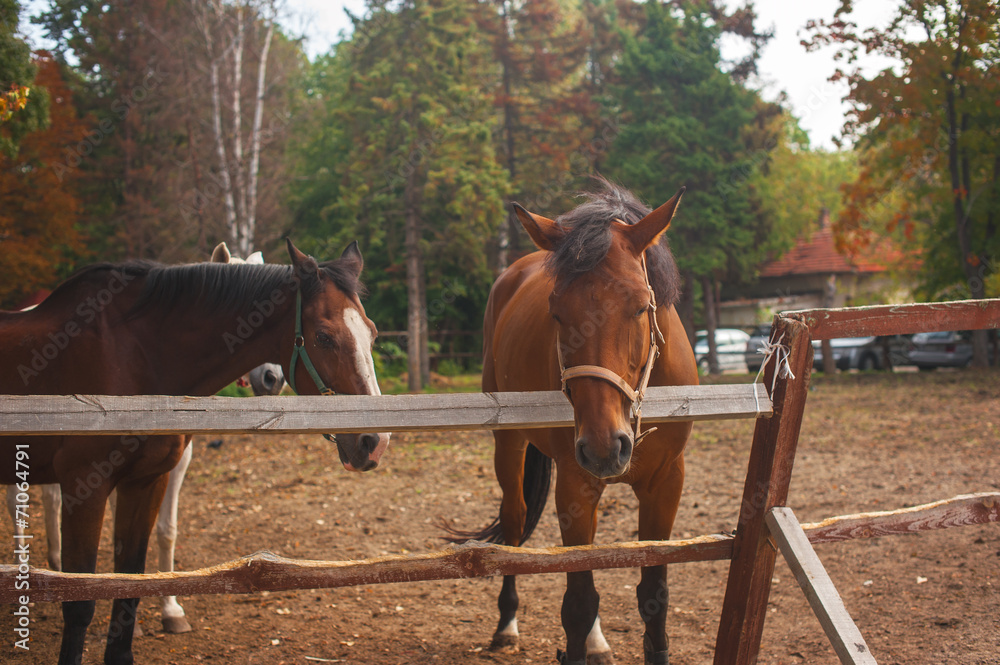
38 219
13 100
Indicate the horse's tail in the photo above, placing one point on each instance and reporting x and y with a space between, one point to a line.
537 480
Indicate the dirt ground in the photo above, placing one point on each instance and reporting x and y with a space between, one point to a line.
869 442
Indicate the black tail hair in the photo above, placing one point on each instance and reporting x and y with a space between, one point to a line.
537 480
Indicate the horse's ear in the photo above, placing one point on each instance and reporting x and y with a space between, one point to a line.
305 266
221 253
255 259
352 259
544 232
648 230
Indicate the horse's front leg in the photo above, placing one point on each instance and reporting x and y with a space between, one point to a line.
138 502
172 614
658 501
577 496
82 516
508 462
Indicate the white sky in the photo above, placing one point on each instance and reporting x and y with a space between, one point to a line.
784 65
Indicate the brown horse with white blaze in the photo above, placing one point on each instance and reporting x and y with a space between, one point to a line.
592 313
144 329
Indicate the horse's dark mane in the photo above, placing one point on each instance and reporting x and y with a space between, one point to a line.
216 287
588 239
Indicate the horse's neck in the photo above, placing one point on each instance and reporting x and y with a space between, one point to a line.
217 350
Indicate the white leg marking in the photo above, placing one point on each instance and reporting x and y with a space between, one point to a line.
595 639
509 629
166 528
52 502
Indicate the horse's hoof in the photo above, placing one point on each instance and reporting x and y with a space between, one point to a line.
603 658
176 625
136 630
657 658
564 659
504 644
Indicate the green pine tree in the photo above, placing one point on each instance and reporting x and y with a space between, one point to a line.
684 121
407 163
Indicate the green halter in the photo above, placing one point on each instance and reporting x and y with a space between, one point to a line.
299 351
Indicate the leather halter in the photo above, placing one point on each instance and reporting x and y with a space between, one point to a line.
636 395
299 351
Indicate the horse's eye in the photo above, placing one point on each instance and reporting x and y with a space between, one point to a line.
557 319
324 340
642 310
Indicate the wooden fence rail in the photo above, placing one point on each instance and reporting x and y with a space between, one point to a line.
88 414
266 571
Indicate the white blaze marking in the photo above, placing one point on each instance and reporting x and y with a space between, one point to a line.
595 639
363 363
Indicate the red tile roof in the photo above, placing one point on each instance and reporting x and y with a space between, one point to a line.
818 255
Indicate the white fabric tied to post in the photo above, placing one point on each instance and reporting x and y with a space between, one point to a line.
783 368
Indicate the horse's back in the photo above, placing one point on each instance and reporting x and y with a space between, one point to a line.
518 338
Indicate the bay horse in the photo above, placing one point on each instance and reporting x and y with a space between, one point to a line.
141 328
266 379
593 314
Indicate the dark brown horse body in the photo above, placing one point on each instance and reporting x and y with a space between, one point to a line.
587 292
138 328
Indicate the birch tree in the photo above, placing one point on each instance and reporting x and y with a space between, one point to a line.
228 31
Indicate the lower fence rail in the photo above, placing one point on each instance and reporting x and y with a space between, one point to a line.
266 571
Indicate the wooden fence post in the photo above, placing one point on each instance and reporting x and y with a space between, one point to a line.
769 472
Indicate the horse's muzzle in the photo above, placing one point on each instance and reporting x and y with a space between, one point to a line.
361 452
610 462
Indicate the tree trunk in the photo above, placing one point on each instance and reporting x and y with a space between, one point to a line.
415 342
829 295
225 178
960 204
708 293
685 308
507 226
236 79
256 139
425 360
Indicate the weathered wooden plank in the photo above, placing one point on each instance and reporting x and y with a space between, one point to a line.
964 510
266 571
81 414
899 319
820 591
769 471
959 511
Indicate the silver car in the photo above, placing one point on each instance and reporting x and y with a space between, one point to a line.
730 346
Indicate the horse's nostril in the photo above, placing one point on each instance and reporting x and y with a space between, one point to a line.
624 448
368 443
581 453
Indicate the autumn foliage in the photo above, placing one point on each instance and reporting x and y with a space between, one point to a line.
39 237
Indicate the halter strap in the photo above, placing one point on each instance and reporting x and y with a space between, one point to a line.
636 395
299 352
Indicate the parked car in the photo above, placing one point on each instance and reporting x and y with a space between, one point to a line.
758 337
941 349
730 347
863 353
